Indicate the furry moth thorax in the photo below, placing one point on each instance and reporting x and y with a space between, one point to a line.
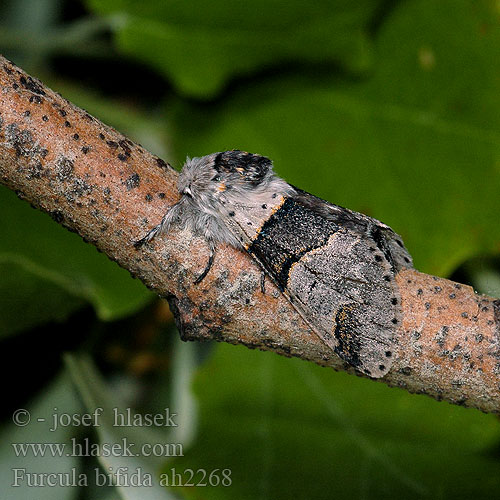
213 186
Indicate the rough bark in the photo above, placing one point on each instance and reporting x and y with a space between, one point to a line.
95 181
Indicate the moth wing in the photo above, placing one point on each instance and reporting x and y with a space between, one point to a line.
333 272
348 295
354 298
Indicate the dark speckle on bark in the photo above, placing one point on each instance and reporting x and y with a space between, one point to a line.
64 169
125 146
57 215
133 181
35 170
441 335
36 99
163 164
496 316
23 143
32 85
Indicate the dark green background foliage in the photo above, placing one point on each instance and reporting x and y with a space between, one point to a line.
390 108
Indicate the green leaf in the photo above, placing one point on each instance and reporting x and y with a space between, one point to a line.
290 429
43 252
201 45
27 299
416 145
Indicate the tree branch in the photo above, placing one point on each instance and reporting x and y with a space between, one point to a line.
95 181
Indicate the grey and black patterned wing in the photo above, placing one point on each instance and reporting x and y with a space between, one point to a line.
329 264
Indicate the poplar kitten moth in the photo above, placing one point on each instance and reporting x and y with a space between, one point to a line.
336 267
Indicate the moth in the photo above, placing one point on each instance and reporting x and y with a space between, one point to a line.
336 267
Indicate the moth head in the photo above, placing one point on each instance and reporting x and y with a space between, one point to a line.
230 170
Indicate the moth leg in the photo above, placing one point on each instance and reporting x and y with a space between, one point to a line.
210 262
149 236
263 283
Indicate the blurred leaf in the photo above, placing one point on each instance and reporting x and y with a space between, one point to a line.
201 45
416 145
488 280
36 244
483 273
58 398
289 429
131 438
27 299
